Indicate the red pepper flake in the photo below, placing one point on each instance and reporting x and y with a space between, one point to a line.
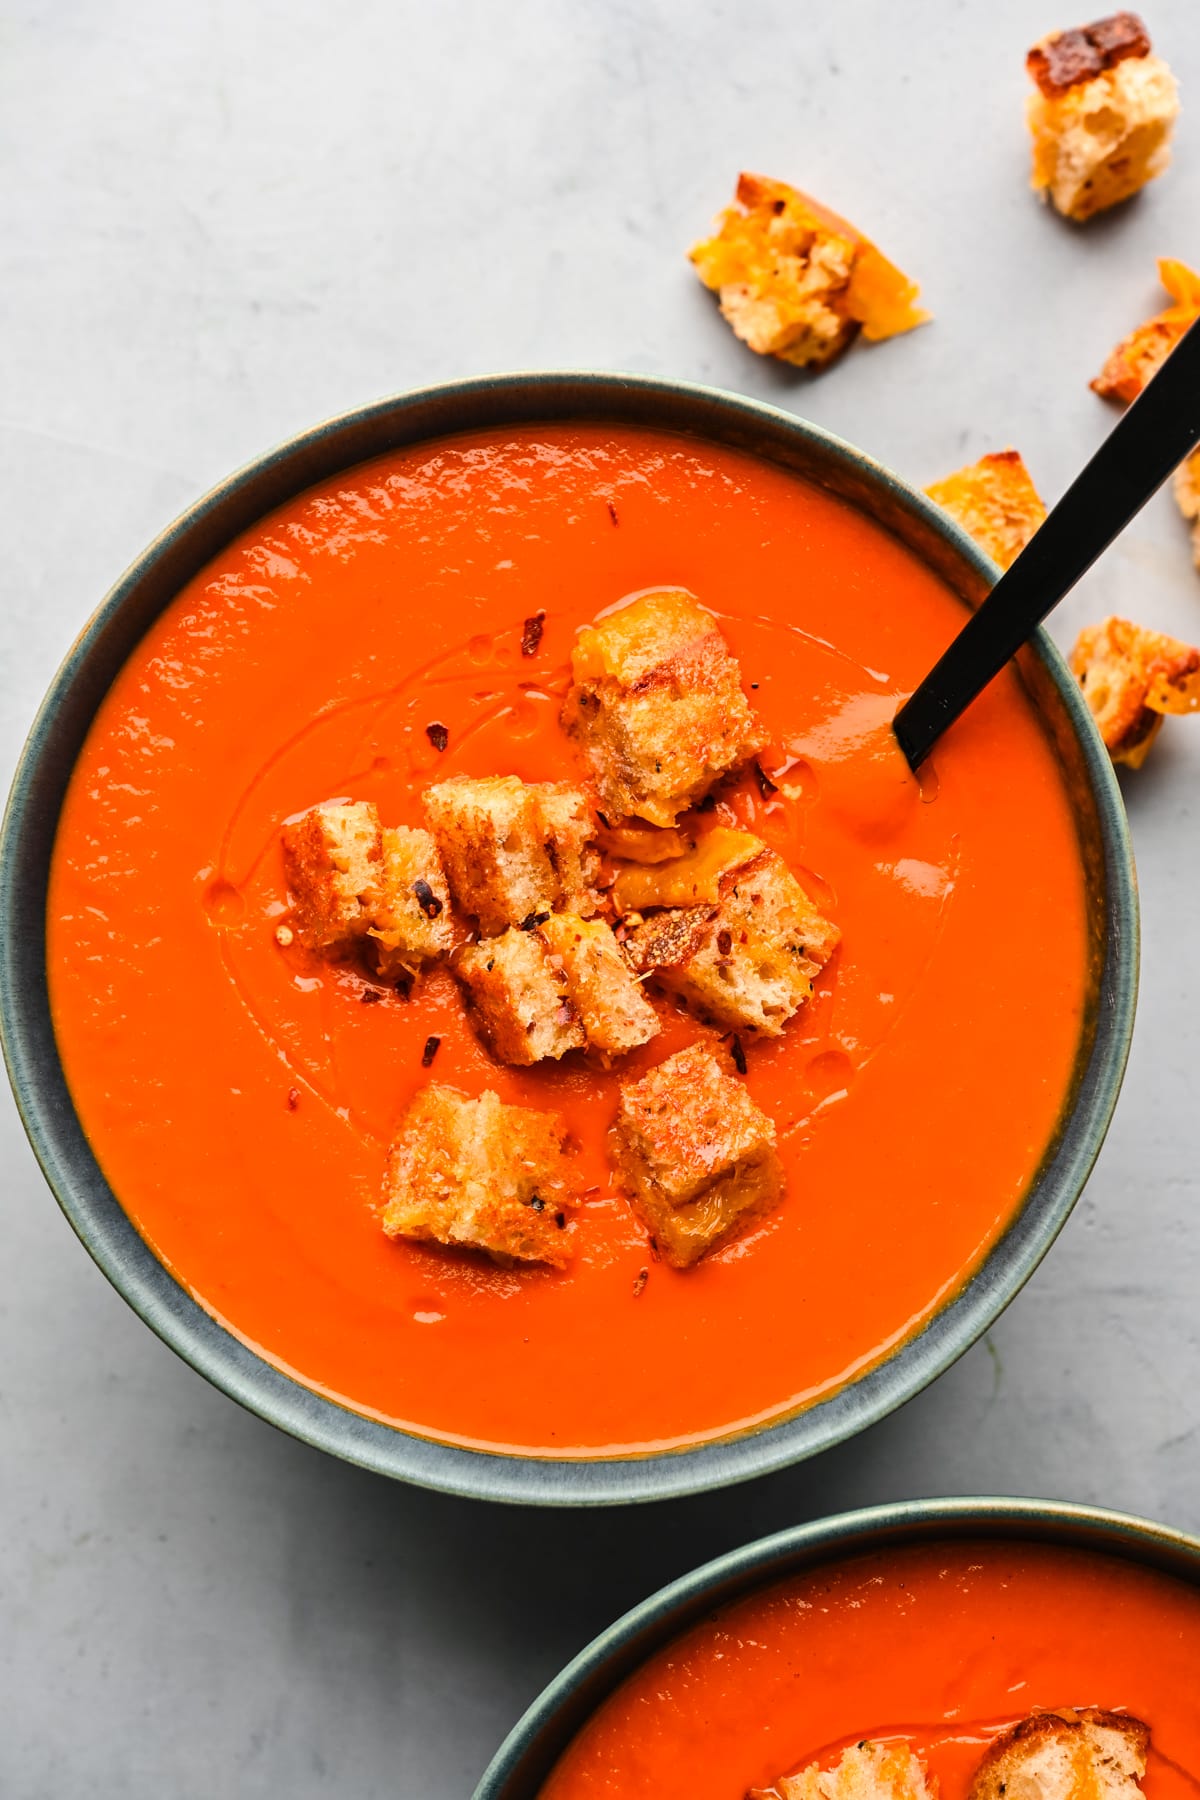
708 804
531 633
370 996
654 1249
438 735
427 900
531 921
560 1219
537 1203
612 513
432 1045
725 942
639 1282
738 1055
766 786
293 1099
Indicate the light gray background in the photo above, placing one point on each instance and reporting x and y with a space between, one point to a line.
221 221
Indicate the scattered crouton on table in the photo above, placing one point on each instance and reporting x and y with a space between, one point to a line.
657 707
1102 116
333 858
479 1174
1130 678
1061 1755
695 1153
865 1771
1187 493
513 849
995 501
797 282
749 962
1140 356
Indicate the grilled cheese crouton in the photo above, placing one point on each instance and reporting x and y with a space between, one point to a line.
1102 117
1139 357
512 849
333 858
519 999
994 500
612 1009
479 1174
657 706
1187 493
797 282
695 1153
1066 1755
411 922
748 963
1130 678
865 1771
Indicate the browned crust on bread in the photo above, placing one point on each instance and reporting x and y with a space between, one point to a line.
1023 1762
1070 57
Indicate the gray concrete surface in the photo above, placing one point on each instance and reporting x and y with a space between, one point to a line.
221 221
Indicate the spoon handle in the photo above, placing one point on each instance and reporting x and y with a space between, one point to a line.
1149 441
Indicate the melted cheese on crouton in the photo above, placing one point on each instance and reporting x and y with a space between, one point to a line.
695 1153
480 1175
519 998
657 706
1130 678
1101 119
865 1771
750 962
1066 1755
1139 357
994 500
797 282
512 849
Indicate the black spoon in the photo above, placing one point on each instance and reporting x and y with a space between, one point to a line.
1150 441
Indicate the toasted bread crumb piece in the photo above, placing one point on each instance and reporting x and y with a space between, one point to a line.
696 1154
749 963
1130 678
481 1175
612 1009
333 858
657 706
519 999
797 282
412 922
1102 117
865 1771
1140 356
995 500
1063 1756
513 849
1187 493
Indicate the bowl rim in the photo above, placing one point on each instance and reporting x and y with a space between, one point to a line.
571 1697
35 1072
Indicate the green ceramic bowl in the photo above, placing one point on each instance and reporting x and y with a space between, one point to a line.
28 839
534 1745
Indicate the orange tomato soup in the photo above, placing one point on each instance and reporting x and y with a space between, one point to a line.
240 1098
943 1647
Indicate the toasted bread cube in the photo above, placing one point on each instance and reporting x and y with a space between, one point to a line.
519 999
511 849
995 501
607 997
1140 356
1061 1755
479 1174
696 1154
865 1771
1102 117
749 963
797 282
1187 493
333 858
411 922
657 706
1131 677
